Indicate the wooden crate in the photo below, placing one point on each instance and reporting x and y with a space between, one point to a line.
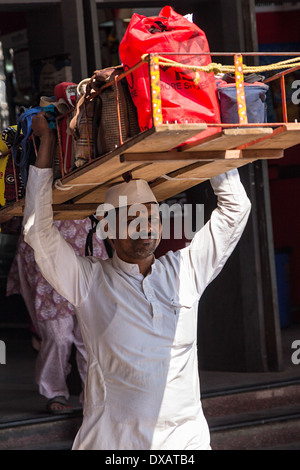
158 156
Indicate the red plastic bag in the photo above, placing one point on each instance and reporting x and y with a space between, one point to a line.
183 101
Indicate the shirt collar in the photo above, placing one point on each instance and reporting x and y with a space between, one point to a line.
133 269
128 268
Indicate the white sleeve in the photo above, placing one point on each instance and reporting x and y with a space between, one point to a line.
213 244
68 273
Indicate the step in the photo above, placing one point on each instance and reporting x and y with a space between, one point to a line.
265 417
43 433
263 432
255 398
259 417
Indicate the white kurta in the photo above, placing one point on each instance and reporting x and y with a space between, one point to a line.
142 390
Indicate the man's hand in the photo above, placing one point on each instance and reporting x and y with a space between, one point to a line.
47 136
39 125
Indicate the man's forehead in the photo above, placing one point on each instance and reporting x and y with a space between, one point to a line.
146 209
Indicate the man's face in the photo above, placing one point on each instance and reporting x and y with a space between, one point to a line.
138 232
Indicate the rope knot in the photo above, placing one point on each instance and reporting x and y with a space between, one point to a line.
197 78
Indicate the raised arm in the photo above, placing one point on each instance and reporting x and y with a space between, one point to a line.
214 243
47 139
68 273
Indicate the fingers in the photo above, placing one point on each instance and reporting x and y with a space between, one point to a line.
39 124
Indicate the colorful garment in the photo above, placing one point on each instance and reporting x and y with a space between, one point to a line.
25 276
51 314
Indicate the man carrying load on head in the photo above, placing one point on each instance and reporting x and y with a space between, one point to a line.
137 314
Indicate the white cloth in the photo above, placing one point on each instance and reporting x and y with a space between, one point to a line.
142 389
126 194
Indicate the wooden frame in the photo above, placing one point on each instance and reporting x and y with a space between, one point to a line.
161 156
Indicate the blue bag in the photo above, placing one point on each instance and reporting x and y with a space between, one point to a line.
256 102
23 150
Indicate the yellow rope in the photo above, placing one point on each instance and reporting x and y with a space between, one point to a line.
219 68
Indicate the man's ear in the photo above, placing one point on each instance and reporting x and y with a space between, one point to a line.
111 243
109 247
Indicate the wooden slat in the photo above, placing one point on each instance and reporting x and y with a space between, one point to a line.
166 162
11 210
90 176
283 137
162 138
170 157
73 211
194 174
229 139
162 164
148 173
99 171
236 154
149 155
166 159
60 211
97 195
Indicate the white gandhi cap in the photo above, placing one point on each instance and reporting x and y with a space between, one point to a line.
127 194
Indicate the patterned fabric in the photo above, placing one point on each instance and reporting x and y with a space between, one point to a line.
3 163
51 314
12 182
10 177
25 277
81 128
52 364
